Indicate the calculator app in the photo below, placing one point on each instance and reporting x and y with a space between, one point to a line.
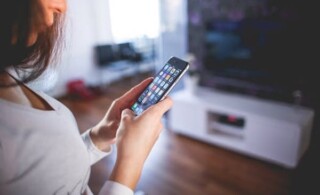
156 89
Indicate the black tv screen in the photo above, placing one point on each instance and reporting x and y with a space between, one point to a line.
105 54
260 51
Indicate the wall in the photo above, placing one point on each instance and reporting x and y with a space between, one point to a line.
173 36
87 24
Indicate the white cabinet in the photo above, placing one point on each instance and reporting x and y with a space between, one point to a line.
272 131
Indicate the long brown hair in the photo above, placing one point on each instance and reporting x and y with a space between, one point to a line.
16 24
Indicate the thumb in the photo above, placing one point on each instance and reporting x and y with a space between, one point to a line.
161 107
127 114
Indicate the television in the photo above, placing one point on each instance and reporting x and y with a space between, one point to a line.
127 51
256 48
105 55
110 54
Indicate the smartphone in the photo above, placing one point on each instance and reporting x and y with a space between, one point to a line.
162 84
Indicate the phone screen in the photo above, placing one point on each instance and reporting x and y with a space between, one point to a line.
162 84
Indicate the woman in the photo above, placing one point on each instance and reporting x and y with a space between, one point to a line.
41 151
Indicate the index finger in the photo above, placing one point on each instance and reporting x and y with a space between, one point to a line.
133 94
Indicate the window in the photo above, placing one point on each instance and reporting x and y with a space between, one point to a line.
134 19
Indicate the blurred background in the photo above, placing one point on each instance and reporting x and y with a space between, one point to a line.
245 118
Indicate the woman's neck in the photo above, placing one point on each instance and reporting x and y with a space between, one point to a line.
20 94
12 91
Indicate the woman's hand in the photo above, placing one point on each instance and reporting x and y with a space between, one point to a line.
134 135
135 138
104 133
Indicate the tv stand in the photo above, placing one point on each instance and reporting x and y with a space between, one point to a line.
268 130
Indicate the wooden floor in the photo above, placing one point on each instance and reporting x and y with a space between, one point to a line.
179 165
